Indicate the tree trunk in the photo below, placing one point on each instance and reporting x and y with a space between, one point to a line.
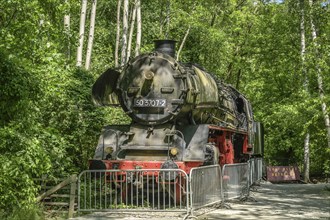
91 36
319 77
323 104
67 33
161 18
304 74
118 33
138 27
214 15
182 43
124 37
81 32
238 78
306 158
168 18
303 46
129 45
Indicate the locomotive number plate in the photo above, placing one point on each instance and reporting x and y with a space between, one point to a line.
160 103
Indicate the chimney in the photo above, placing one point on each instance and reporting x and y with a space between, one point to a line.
165 46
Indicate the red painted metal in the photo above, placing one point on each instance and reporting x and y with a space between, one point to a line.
136 165
282 173
219 128
220 143
225 145
229 147
224 142
246 145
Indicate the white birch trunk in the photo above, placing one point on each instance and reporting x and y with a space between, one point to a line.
129 45
304 71
91 36
161 20
118 33
125 30
182 43
168 19
306 158
138 27
303 45
81 32
319 77
67 33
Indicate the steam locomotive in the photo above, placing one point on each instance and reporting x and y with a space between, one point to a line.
182 116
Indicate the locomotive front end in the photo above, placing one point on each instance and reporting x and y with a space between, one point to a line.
152 89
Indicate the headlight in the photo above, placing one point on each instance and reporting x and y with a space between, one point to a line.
108 150
174 151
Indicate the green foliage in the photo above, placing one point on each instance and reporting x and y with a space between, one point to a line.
276 89
22 155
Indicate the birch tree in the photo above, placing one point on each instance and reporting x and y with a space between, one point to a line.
168 18
182 43
304 74
138 27
131 31
124 36
319 76
91 36
67 32
81 32
117 33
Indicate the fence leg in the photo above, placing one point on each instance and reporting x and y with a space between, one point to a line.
249 179
72 195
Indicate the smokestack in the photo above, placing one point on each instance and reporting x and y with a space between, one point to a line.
165 46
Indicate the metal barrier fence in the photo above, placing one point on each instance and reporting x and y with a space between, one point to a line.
260 168
205 186
235 180
165 190
255 170
133 190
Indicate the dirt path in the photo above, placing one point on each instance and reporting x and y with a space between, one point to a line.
268 201
279 201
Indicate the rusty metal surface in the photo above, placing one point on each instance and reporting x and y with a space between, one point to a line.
282 173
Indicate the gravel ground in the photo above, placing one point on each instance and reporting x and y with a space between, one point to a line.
267 201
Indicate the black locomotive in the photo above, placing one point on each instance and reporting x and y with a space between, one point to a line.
182 116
